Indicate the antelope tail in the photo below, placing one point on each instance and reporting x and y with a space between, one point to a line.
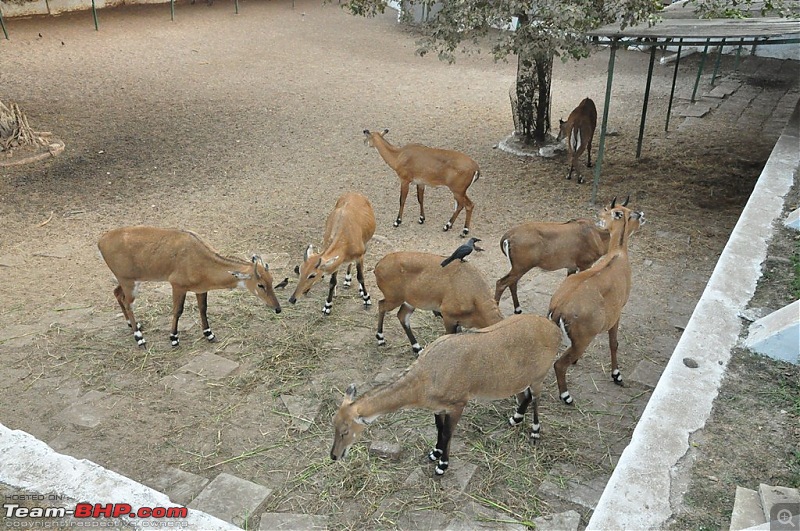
505 246
575 138
475 177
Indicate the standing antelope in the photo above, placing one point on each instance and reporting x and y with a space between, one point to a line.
414 280
574 245
187 262
349 227
421 165
591 302
579 131
508 358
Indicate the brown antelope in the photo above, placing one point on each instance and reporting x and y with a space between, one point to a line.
187 262
412 280
424 166
591 302
574 245
349 227
508 358
579 131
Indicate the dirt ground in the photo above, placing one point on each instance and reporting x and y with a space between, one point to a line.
245 128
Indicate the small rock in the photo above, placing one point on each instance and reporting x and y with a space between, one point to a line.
385 450
689 362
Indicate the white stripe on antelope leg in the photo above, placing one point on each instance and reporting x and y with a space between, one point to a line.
566 397
516 419
536 431
174 339
348 278
447 226
442 467
416 348
327 308
139 338
209 334
617 376
435 454
381 339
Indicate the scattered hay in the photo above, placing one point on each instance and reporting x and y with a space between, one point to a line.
17 134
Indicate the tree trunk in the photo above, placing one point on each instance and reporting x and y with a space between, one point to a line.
534 72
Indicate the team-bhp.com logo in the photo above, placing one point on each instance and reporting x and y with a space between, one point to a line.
785 517
159 516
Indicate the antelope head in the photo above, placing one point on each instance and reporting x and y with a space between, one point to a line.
562 130
614 214
311 270
259 283
369 137
347 425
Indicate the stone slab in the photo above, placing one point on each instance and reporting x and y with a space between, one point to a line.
777 335
647 373
210 366
696 111
722 91
774 499
570 488
232 499
292 522
183 382
567 521
747 510
477 517
455 479
179 485
386 450
422 520
89 410
302 410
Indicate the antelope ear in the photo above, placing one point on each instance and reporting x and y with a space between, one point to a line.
350 394
329 263
366 131
561 122
297 270
240 275
384 132
308 252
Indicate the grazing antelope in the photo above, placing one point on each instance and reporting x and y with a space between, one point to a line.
591 302
424 166
414 280
349 227
574 245
187 262
508 358
579 131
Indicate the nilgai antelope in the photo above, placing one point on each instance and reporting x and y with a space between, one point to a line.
349 227
411 280
425 166
187 262
508 358
591 302
574 245
579 131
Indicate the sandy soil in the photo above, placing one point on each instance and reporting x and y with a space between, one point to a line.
245 129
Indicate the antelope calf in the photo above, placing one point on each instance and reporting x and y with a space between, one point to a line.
349 227
425 166
187 262
508 358
574 245
591 302
414 280
579 131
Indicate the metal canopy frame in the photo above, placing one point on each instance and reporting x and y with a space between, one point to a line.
684 32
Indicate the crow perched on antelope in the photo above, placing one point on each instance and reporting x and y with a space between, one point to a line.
425 166
590 302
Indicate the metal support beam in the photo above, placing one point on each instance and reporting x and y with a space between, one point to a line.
598 164
3 24
94 16
674 79
236 5
700 70
719 58
646 99
738 55
172 10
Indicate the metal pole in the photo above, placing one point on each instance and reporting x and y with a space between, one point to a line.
94 15
3 24
700 70
716 65
172 10
738 55
646 99
674 79
599 162
236 5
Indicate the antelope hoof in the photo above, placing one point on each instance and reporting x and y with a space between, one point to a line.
464 232
381 339
367 301
347 280
326 310
435 454
209 335
174 339
421 220
515 420
517 310
397 222
447 226
441 467
580 180
617 376
536 432
416 348
567 398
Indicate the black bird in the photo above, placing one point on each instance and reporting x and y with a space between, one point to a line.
462 252
282 284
